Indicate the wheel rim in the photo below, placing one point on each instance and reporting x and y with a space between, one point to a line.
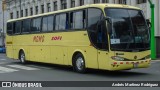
22 57
80 63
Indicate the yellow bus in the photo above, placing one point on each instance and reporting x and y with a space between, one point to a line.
98 36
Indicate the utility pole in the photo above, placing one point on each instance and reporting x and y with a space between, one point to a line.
3 9
153 49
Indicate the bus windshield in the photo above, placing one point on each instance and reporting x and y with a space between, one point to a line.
128 30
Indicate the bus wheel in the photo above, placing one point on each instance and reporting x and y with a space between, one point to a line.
79 63
22 57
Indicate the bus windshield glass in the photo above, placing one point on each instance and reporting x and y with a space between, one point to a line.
128 30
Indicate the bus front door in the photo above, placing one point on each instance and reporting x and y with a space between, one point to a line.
102 59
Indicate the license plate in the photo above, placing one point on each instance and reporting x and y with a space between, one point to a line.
135 65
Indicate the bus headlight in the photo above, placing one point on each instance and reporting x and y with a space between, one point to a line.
117 58
148 57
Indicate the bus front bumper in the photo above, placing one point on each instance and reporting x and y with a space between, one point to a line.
126 65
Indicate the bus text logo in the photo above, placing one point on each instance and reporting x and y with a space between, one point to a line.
38 38
56 38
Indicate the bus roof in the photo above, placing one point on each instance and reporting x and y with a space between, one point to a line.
80 7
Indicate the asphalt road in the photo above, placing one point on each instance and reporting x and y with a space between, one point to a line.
12 70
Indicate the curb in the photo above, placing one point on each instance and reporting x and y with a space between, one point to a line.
155 60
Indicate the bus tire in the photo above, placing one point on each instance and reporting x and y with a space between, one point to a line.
22 57
79 63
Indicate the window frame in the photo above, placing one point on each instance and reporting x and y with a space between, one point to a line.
31 11
11 15
17 13
49 7
141 1
81 2
42 8
36 10
22 14
26 12
122 2
63 4
73 3
96 1
55 6
105 1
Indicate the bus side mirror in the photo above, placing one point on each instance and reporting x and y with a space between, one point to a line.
109 24
148 23
109 20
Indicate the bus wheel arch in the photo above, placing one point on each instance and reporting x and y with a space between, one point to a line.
22 56
78 62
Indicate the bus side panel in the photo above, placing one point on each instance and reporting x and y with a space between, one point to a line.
9 46
45 53
9 51
57 54
65 56
35 53
16 46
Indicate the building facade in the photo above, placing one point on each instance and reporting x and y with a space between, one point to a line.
23 8
3 19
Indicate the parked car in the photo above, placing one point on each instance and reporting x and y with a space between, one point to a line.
2 49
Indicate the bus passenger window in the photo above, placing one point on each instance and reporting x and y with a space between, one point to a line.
61 22
45 24
57 22
50 23
78 20
36 25
9 28
26 26
17 27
